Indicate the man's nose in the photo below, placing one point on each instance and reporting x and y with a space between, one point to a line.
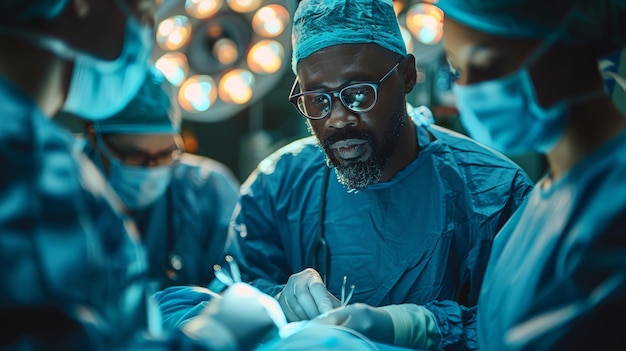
340 116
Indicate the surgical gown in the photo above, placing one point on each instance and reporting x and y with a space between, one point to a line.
423 236
63 267
558 268
190 220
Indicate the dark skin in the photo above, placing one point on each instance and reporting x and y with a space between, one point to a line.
334 67
561 72
96 27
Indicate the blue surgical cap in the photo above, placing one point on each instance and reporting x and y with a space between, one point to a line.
151 111
318 24
596 23
23 10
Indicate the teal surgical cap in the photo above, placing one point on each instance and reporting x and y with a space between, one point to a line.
595 23
152 111
23 10
318 24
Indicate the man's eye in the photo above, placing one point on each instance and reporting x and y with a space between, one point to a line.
319 100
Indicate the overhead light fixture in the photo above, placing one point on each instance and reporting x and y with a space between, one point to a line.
222 55
425 22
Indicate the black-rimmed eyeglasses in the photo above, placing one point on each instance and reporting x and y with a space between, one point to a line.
358 97
140 158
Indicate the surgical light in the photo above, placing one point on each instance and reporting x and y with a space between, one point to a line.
270 21
244 6
198 93
266 56
174 32
223 55
174 67
236 86
225 50
425 22
202 9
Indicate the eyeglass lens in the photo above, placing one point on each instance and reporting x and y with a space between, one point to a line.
357 97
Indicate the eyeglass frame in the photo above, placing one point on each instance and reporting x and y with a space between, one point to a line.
146 159
337 93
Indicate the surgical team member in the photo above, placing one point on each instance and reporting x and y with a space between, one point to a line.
73 273
529 81
181 203
66 274
406 211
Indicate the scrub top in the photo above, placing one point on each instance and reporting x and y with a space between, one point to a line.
184 230
558 259
423 236
63 266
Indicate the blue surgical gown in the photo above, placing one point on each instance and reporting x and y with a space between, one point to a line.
554 262
423 236
60 260
190 220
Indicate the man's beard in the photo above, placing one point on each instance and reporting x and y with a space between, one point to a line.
359 174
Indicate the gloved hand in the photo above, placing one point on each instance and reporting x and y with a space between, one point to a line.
373 322
305 296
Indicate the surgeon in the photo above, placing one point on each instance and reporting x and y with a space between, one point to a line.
529 81
377 198
66 273
181 202
73 268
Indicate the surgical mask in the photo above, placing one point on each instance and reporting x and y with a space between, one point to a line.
138 187
505 114
100 88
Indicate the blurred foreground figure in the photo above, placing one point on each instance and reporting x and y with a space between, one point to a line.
528 80
74 272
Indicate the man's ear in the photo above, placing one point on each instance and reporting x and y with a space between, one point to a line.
409 72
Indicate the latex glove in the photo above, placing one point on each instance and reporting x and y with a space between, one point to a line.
375 323
305 296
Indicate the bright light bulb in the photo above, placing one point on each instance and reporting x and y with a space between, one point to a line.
173 32
225 50
243 6
174 67
202 9
198 93
266 56
424 21
270 21
236 86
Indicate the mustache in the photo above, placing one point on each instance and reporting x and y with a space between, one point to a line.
346 133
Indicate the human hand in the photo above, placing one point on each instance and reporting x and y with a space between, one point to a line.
305 296
375 323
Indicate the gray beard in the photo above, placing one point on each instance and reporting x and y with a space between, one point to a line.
359 175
